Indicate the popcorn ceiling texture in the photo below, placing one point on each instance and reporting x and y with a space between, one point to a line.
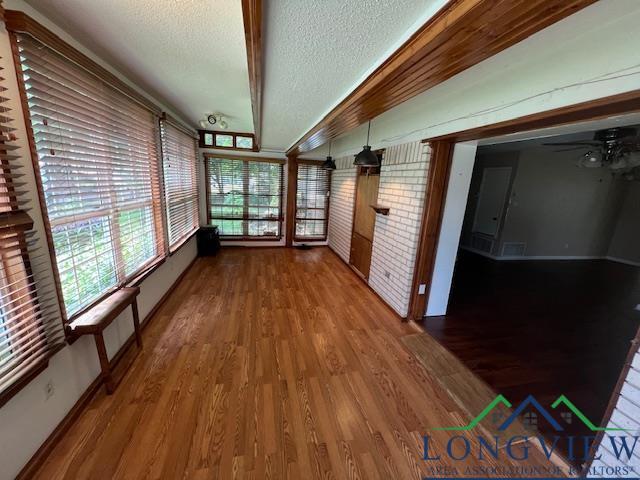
403 180
316 52
190 54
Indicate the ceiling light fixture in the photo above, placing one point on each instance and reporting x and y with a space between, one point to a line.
212 119
366 158
329 164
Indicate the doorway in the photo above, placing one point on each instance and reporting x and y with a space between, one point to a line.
364 220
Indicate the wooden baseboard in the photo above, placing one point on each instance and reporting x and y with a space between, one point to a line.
38 459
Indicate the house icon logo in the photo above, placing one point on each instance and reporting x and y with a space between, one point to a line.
532 410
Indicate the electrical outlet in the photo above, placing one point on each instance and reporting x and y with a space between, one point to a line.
422 289
49 390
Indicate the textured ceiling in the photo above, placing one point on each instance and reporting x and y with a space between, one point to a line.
189 54
316 52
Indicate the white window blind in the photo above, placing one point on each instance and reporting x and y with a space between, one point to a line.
180 182
98 165
244 197
312 202
30 327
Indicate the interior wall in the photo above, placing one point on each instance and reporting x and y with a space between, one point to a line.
558 66
555 208
625 241
403 180
343 189
30 417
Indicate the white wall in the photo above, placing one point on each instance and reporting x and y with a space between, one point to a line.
28 418
403 179
588 55
403 183
342 204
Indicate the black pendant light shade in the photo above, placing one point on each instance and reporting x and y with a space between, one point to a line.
366 158
329 164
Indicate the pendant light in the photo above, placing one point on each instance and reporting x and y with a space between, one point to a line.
366 158
329 164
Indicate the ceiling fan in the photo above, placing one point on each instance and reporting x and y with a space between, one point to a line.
617 149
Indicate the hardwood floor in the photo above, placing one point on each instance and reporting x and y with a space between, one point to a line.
543 328
267 363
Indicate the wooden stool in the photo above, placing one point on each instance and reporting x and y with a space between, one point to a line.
94 321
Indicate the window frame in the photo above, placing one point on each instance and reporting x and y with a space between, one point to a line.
19 23
280 219
234 135
173 248
295 218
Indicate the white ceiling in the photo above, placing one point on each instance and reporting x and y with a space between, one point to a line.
190 54
316 52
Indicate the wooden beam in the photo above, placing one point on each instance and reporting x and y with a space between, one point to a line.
292 186
440 166
252 15
462 34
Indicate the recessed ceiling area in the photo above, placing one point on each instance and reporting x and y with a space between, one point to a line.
318 52
189 54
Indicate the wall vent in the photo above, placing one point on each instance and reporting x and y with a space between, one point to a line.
513 249
481 243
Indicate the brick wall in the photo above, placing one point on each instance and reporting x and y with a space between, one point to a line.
343 187
626 414
403 180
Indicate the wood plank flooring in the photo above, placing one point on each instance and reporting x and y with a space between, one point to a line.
267 363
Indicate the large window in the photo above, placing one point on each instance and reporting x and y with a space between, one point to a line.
244 196
30 330
312 202
99 170
180 182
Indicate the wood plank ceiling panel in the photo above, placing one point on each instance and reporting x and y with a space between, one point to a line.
461 35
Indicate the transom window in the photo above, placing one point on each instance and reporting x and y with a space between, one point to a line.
230 140
244 196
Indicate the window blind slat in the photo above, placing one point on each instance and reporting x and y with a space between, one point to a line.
99 168
312 202
30 327
245 197
179 165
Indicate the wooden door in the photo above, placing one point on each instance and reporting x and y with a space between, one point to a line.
364 221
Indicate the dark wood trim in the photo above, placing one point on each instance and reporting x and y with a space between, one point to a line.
252 16
215 133
623 103
20 22
439 169
292 187
244 157
613 401
38 459
462 34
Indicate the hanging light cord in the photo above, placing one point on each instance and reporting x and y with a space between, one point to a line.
368 131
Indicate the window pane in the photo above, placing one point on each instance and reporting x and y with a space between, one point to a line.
244 142
208 138
224 140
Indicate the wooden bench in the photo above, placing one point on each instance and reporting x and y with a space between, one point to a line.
97 319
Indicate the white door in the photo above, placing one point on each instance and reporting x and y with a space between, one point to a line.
492 199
